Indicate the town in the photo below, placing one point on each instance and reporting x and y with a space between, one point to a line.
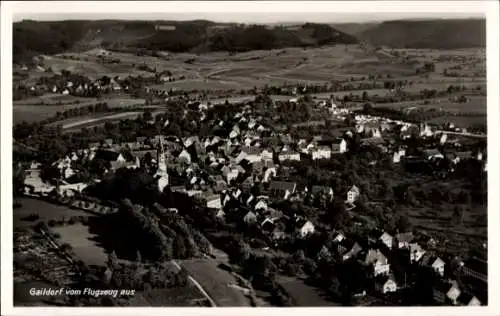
277 195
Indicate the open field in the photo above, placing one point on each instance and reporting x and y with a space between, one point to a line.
304 295
45 210
476 104
79 237
77 124
461 121
224 71
245 70
31 110
215 281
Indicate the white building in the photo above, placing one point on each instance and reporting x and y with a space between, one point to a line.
353 194
306 229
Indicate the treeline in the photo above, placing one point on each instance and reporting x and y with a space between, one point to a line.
33 38
438 34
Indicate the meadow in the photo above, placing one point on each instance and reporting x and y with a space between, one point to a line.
83 243
32 109
236 71
45 210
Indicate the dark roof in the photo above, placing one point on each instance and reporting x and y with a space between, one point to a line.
443 287
430 152
252 150
465 298
142 153
464 154
107 155
405 237
317 189
282 185
381 279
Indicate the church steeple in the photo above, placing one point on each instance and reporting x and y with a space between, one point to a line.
161 172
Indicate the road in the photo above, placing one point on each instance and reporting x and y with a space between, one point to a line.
463 134
198 285
104 118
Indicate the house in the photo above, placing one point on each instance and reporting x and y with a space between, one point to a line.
339 148
438 266
446 292
287 154
321 153
347 249
261 205
306 229
375 258
416 252
425 131
387 240
269 174
213 201
353 194
250 218
432 154
282 189
266 155
317 190
403 240
252 154
339 237
467 299
443 138
385 284
109 156
220 214
398 155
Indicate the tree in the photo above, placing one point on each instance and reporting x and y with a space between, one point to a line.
112 260
367 107
18 175
403 223
364 97
458 214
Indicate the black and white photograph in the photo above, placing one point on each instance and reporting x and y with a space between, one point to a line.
184 155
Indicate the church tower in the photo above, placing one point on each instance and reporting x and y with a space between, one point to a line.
161 172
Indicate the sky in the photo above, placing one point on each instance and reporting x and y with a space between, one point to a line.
239 17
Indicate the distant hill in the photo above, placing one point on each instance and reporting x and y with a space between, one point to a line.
34 38
437 34
354 29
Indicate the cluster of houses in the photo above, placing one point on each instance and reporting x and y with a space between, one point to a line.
375 254
223 170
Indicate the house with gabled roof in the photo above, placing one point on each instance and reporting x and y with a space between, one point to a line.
379 262
321 153
446 292
434 262
403 240
353 194
468 299
306 228
348 249
282 189
250 218
416 252
252 154
385 284
386 239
